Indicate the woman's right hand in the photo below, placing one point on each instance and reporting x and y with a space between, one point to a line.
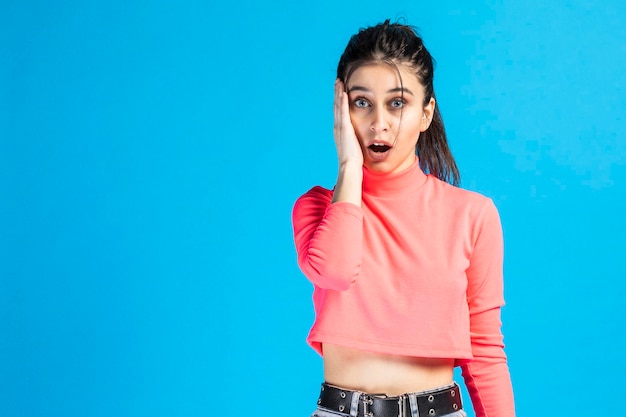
348 147
350 176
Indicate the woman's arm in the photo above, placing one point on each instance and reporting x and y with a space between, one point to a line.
328 229
487 375
329 239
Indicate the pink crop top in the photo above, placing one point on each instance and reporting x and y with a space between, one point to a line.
416 271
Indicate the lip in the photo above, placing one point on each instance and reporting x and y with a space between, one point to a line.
379 142
377 156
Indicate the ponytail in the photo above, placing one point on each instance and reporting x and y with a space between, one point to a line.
434 153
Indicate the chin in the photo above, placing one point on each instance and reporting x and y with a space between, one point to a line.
389 161
383 167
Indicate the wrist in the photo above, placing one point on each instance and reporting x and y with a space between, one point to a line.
351 167
349 183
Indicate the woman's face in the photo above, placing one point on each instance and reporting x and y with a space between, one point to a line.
387 116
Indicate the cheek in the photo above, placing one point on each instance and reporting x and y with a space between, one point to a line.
411 131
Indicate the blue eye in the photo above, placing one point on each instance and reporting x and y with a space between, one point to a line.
359 102
397 103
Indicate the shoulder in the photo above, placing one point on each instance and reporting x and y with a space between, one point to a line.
316 193
464 208
472 212
459 198
316 198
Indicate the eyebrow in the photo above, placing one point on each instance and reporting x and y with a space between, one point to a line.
393 90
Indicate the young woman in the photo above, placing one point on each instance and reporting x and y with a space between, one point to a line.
406 266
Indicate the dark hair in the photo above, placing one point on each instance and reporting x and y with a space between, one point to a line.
395 44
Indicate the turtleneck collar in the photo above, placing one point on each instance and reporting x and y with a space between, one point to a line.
389 184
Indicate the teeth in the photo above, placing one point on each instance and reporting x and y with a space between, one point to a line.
379 147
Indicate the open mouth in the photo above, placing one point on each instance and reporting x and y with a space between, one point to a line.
378 151
379 148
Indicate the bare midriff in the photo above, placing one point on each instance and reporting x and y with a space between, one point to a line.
378 373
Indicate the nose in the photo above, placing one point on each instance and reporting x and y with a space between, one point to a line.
379 121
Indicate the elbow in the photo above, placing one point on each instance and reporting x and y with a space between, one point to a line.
329 275
489 351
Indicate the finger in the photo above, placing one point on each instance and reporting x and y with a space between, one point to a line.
345 108
337 103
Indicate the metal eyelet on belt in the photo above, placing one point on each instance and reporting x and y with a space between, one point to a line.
319 401
343 394
431 411
455 406
453 393
341 408
431 398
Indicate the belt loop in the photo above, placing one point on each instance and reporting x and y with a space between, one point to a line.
401 403
354 405
415 411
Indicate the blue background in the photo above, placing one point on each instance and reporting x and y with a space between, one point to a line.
151 151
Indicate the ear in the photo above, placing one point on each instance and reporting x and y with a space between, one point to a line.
429 111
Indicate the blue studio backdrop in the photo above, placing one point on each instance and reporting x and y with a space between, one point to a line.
151 152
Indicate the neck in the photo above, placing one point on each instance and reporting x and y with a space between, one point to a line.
388 184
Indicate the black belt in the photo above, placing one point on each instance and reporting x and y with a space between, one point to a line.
432 404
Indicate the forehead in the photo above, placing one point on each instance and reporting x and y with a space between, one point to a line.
384 76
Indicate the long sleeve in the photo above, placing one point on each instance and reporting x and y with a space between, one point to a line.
414 270
487 376
328 239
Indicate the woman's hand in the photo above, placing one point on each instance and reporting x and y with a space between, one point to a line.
350 176
348 148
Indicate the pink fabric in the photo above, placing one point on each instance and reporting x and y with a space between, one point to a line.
416 271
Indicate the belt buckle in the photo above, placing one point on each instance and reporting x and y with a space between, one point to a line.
367 401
